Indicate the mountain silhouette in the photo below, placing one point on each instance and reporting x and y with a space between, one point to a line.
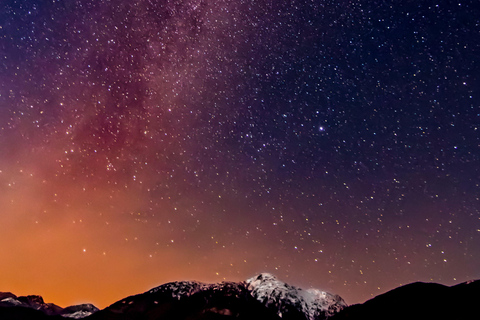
419 301
261 297
33 307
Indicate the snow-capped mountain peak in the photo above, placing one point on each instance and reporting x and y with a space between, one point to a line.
277 295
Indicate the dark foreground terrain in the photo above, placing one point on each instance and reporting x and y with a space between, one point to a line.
262 297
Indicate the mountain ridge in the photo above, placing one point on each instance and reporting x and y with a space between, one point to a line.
23 304
261 297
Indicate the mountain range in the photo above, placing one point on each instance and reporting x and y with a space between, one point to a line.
261 297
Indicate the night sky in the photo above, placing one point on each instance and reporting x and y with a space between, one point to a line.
335 144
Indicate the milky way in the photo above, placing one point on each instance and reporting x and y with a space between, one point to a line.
335 144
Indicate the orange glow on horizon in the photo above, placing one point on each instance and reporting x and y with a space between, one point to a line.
75 245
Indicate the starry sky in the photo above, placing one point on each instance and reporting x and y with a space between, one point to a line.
335 144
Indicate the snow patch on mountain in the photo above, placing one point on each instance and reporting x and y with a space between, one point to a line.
180 289
11 301
284 298
79 311
78 314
